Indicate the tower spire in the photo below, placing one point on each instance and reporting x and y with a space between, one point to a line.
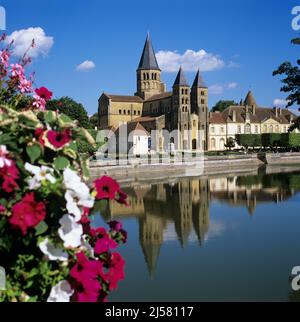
148 59
180 78
198 82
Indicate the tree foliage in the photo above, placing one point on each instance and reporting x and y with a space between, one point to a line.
291 83
222 105
94 120
71 108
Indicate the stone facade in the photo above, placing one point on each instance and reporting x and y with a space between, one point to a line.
180 117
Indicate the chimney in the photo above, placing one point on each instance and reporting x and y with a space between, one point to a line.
276 111
234 116
280 111
253 109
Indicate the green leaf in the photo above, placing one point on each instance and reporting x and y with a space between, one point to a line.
50 117
71 150
61 163
65 121
34 152
41 228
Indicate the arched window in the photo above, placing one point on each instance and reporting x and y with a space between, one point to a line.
248 129
128 112
213 143
187 101
271 129
124 111
147 75
182 101
212 129
277 129
144 76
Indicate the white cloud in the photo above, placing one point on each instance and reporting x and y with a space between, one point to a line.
85 66
280 103
216 89
233 64
170 61
232 85
22 39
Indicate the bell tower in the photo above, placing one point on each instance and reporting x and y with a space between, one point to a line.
148 73
182 110
199 106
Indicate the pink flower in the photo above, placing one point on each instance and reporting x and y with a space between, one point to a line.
106 188
59 139
17 71
116 271
25 86
3 159
44 93
39 103
4 57
2 209
27 213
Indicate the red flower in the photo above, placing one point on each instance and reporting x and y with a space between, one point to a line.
84 279
44 93
116 271
122 196
104 244
39 134
59 139
115 225
9 175
106 188
27 213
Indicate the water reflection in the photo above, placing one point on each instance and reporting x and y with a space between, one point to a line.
179 210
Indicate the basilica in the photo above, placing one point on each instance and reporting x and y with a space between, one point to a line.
181 117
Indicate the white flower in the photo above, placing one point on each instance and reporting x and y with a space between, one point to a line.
41 174
77 194
3 160
51 252
61 292
70 231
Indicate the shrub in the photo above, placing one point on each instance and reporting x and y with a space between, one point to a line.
248 140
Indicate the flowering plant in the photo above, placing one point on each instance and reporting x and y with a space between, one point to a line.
48 246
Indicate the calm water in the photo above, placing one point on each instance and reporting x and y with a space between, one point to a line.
219 238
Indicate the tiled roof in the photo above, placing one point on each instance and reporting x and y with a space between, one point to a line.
216 118
261 114
124 98
133 127
159 96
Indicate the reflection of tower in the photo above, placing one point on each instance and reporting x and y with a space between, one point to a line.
183 220
201 208
151 238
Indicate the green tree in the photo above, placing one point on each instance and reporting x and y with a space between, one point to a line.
291 83
94 120
71 108
222 105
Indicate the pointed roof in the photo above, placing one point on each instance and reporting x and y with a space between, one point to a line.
249 100
198 82
180 78
148 59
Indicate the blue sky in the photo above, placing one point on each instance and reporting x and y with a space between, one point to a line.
244 41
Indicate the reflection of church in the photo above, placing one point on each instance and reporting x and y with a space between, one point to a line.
185 206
